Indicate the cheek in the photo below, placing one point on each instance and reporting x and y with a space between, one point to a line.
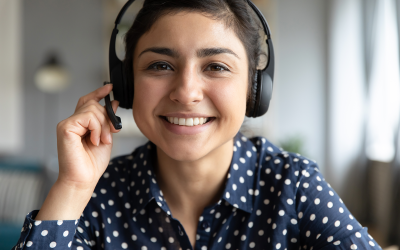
230 100
146 97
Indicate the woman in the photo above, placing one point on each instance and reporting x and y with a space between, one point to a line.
198 183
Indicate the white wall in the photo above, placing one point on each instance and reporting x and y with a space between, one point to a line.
72 29
347 89
10 72
299 104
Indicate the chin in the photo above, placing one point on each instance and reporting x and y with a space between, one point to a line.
185 151
185 157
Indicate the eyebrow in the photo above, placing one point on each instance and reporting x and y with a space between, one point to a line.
162 51
214 51
206 52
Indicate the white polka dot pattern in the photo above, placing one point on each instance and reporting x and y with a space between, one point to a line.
272 200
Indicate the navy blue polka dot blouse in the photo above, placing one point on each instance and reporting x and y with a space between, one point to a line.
272 200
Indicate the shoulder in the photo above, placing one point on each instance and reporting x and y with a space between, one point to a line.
282 174
277 162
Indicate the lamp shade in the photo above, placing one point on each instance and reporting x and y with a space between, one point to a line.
52 77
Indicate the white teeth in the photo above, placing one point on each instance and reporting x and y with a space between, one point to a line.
188 121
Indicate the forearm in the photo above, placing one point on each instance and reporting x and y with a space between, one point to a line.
64 202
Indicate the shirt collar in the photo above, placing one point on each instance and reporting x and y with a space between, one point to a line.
239 189
241 184
145 186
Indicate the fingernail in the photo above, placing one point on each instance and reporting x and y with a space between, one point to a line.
110 138
98 142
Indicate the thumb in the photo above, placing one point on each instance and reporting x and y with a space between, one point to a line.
114 105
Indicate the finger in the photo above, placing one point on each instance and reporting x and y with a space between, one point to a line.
86 107
95 131
101 114
96 95
114 105
80 124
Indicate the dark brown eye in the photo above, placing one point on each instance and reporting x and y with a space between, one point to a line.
217 67
160 66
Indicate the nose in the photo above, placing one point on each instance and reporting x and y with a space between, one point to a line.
187 88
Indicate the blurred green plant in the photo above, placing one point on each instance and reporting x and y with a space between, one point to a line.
293 144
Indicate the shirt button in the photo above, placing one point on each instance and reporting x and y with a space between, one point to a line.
180 231
205 225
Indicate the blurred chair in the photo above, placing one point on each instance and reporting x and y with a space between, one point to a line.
22 189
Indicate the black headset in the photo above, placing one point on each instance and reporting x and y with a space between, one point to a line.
261 89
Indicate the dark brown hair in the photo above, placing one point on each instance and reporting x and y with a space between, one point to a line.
236 14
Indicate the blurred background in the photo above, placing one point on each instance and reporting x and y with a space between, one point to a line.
336 96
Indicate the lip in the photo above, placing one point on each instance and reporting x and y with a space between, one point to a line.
185 130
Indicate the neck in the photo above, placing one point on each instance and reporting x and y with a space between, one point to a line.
191 186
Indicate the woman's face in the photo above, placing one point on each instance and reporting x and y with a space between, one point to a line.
189 69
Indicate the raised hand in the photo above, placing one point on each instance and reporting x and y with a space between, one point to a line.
84 142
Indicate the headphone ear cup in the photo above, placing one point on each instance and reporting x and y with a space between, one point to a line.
264 94
127 92
251 103
128 88
120 91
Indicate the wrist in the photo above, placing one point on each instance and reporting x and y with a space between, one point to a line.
74 186
64 202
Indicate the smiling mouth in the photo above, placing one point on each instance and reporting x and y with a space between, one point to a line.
189 122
